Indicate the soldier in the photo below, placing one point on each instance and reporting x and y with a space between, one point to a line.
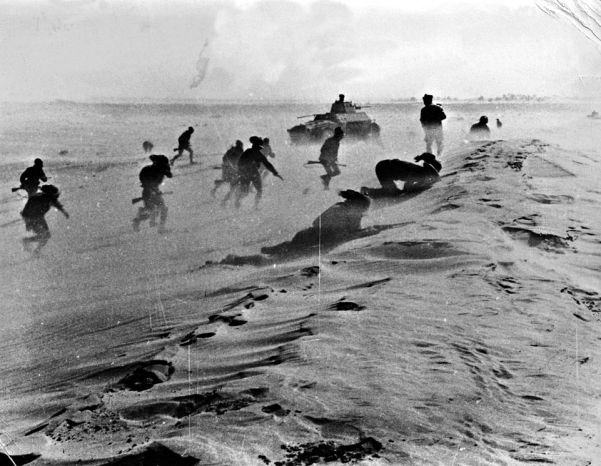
183 144
480 129
151 177
31 177
328 157
431 117
33 213
415 177
229 170
338 105
267 151
248 170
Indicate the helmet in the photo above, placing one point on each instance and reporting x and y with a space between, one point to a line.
426 157
159 159
256 140
338 131
50 189
38 162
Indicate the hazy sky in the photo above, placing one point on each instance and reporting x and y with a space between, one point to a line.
289 49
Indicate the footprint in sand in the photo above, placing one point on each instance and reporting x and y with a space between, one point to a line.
191 337
589 299
532 398
346 306
491 202
509 285
275 409
247 301
310 271
527 220
551 199
545 241
232 321
252 297
145 376
471 165
445 207
369 284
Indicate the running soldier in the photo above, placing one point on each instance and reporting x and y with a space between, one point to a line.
229 169
248 170
33 213
183 144
151 177
328 157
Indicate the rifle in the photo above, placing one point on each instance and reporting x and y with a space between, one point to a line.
135 200
307 116
14 190
315 162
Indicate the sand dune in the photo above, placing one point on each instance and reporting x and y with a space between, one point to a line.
457 326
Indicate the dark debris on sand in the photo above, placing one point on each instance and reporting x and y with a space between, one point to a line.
326 452
80 426
19 460
216 402
155 454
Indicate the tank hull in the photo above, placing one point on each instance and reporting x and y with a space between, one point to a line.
356 125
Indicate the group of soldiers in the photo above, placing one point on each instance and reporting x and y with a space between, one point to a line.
240 169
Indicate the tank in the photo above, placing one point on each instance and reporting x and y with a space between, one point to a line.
354 123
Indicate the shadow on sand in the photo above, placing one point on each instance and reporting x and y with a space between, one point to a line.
337 225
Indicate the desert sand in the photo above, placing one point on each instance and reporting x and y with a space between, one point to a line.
460 325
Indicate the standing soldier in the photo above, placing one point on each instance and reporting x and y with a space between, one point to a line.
328 157
183 144
431 118
151 177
